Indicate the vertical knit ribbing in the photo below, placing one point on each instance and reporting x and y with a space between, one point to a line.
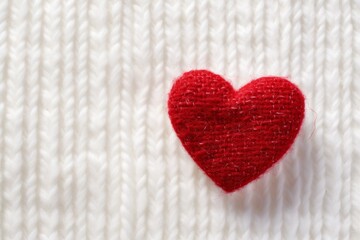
355 113
97 155
29 194
87 150
48 125
13 124
67 135
113 175
81 119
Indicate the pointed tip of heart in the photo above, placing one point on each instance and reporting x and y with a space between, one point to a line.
235 136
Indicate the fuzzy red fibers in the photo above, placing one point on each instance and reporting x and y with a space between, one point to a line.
235 136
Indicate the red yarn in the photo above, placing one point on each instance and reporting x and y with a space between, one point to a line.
235 136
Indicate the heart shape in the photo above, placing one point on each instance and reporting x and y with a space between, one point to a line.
235 136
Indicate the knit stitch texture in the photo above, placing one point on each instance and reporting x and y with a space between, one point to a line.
87 150
235 136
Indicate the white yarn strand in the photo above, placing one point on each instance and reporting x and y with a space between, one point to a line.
172 66
155 134
3 48
244 40
98 32
81 120
141 73
49 121
202 33
31 120
355 94
113 182
333 169
318 189
346 122
13 122
127 210
306 150
67 99
4 5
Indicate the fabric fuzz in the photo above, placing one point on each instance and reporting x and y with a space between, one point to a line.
235 136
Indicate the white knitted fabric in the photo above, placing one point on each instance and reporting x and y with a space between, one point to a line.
86 146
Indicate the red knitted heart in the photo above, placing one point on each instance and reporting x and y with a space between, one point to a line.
235 136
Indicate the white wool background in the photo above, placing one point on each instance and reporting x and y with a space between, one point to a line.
86 146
